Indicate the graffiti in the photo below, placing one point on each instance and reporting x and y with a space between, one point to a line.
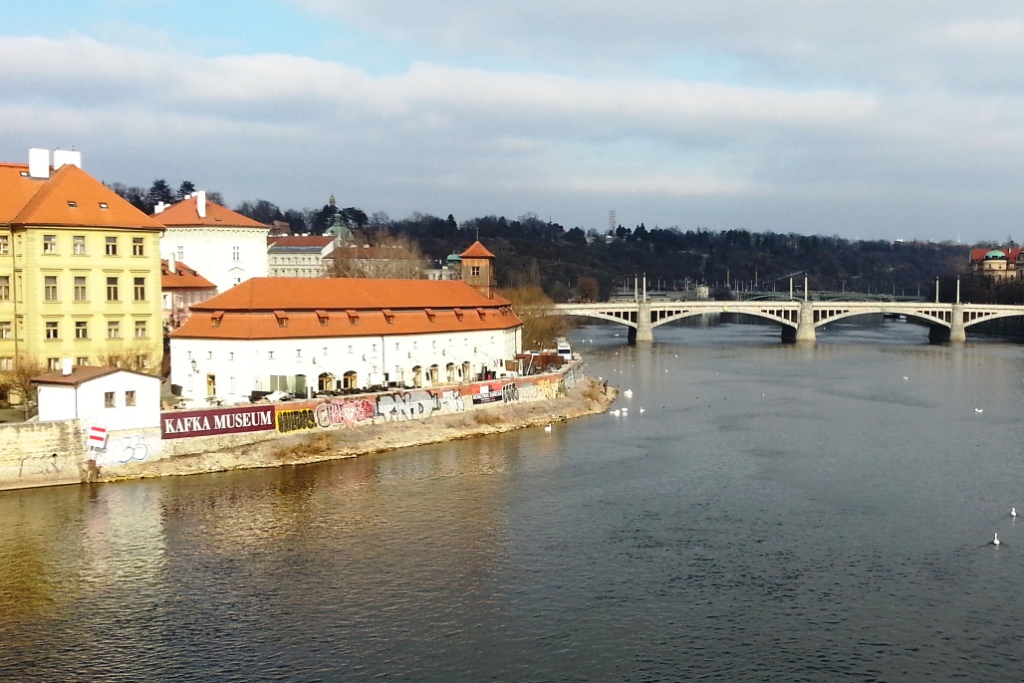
40 465
569 378
450 401
132 448
294 420
344 412
510 393
408 405
529 392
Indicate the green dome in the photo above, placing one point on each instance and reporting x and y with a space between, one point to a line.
994 254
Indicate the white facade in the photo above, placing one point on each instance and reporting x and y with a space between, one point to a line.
226 256
117 401
232 369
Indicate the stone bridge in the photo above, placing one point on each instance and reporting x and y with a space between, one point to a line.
798 319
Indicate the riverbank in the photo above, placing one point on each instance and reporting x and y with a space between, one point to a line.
587 397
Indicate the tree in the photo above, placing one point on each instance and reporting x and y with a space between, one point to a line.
380 255
17 383
135 196
588 288
354 217
159 191
534 308
261 210
186 188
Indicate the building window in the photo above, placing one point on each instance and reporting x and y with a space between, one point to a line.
49 244
5 329
5 244
111 289
140 329
138 246
52 330
78 245
236 253
53 363
270 355
81 329
181 253
108 399
111 246
50 288
113 329
140 289
298 353
141 362
80 288
82 360
474 271
5 287
129 398
6 363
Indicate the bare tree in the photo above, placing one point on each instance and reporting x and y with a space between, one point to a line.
17 383
378 255
534 308
137 358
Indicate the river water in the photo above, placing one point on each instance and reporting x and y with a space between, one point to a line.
775 513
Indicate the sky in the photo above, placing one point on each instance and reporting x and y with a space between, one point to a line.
867 119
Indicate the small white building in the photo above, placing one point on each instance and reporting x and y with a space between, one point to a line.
103 397
299 255
223 245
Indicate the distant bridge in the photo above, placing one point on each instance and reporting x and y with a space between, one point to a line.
798 319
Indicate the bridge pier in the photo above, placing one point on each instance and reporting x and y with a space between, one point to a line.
644 330
955 333
804 325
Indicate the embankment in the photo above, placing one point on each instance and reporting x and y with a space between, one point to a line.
587 397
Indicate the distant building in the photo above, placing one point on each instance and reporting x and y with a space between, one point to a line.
998 264
181 288
299 256
223 245
477 266
79 268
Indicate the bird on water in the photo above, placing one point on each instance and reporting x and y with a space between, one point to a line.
995 541
1013 512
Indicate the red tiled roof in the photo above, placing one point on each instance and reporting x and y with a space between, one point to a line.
186 214
365 307
183 277
1012 255
69 197
477 250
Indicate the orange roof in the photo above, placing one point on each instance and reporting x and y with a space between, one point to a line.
183 277
477 250
81 374
1012 254
185 214
69 197
283 308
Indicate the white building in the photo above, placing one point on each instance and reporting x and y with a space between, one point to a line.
301 335
223 245
102 397
298 256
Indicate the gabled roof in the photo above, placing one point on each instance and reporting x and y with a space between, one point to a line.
185 214
477 250
80 374
70 197
183 277
310 294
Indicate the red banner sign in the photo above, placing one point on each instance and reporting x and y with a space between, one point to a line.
179 424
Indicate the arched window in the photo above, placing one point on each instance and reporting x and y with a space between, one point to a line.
417 376
350 380
449 373
435 374
325 382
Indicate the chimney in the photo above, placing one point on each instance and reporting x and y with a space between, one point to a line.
171 265
39 163
159 208
201 203
65 367
62 157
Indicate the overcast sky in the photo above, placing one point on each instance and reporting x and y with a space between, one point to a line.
867 119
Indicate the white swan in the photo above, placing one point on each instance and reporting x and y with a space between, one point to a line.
979 410
628 393
642 410
1013 512
616 412
995 541
547 428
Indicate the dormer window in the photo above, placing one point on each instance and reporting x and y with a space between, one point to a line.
73 204
103 205
430 314
482 313
323 317
353 316
216 318
458 314
389 316
282 318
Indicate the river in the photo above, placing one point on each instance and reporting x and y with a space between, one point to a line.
775 513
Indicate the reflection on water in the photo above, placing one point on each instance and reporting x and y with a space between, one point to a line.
776 513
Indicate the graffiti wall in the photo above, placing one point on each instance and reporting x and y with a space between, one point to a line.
395 406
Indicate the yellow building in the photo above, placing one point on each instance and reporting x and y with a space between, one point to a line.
79 269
